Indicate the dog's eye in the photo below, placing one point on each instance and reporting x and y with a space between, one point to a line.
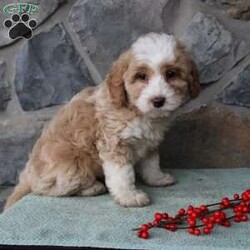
170 74
141 76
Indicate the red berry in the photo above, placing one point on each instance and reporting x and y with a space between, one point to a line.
238 214
227 223
203 208
217 214
192 223
197 211
217 220
237 219
225 199
205 220
245 197
236 209
173 227
181 211
212 218
225 202
145 227
193 215
206 230
223 216
245 209
197 231
210 225
243 203
144 235
158 216
165 216
191 230
244 218
236 196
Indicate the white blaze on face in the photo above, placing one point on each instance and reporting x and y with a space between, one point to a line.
154 49
157 87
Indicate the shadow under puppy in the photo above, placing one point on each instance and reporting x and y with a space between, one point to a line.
106 131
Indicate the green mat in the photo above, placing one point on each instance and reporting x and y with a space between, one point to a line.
98 222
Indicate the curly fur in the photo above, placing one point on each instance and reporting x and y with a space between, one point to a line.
105 132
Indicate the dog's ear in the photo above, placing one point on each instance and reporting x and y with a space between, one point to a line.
194 83
192 72
115 80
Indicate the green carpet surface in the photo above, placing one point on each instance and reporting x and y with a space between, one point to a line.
99 222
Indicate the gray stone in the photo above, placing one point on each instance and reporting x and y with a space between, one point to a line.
238 91
207 138
208 42
17 137
16 141
2 202
106 28
5 94
213 47
46 8
238 9
170 14
217 3
49 71
5 191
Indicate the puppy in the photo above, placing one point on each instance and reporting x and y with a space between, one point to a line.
114 129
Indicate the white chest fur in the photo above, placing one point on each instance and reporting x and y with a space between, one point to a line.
143 134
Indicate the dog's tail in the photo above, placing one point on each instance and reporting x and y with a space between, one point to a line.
22 189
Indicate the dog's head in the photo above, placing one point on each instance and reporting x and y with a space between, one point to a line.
156 76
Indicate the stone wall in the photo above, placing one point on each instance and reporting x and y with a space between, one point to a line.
74 45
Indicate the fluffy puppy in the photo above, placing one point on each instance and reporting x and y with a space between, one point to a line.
114 129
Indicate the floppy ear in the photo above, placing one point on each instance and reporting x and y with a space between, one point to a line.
115 80
193 75
194 83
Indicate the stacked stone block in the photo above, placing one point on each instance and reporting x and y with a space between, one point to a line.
74 46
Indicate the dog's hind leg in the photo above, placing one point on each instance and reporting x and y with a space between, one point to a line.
95 189
64 179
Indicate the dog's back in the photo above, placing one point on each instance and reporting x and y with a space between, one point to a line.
65 154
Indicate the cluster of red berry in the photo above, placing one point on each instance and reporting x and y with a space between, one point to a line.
193 219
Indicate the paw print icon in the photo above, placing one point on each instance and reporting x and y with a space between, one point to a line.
20 26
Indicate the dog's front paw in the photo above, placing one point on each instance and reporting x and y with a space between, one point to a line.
164 179
135 198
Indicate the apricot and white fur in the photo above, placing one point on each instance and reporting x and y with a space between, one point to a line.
109 132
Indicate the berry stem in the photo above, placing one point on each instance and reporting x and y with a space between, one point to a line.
190 218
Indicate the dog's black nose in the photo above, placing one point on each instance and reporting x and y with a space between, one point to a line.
158 101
